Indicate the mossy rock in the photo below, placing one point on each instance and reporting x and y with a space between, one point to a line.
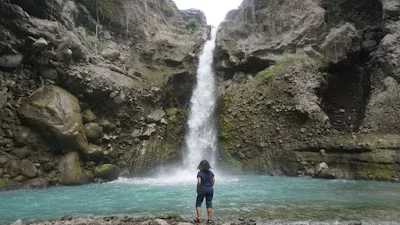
3 182
373 173
70 169
172 111
107 171
90 175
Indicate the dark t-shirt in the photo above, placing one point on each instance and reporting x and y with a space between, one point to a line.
206 185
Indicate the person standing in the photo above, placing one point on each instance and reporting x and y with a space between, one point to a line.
205 189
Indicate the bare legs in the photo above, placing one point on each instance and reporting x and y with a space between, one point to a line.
209 213
198 210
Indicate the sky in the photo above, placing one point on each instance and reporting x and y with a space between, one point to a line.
215 10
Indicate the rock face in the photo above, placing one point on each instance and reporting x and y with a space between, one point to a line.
56 113
70 169
56 61
308 82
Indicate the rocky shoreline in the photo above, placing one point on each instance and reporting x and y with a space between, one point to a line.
176 220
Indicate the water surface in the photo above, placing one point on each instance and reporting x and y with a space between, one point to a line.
261 198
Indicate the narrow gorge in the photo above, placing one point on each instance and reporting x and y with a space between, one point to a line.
108 106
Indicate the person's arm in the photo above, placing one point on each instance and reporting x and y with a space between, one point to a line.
213 181
198 184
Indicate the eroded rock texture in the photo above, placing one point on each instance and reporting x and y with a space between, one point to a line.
307 82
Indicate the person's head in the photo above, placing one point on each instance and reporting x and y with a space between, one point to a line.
204 165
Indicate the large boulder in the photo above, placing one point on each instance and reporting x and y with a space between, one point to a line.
341 41
56 113
70 170
107 172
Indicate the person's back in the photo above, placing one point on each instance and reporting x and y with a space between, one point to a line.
206 185
205 189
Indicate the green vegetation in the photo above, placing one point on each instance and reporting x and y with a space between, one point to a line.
279 67
192 24
169 9
374 173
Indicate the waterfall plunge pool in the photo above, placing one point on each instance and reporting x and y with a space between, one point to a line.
261 198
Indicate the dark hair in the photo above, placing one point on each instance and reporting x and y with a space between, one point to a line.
204 165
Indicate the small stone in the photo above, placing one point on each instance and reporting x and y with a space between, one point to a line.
156 116
342 110
150 129
135 133
160 222
88 116
48 73
164 121
18 222
19 178
21 138
20 153
9 133
320 167
40 44
66 218
28 168
93 132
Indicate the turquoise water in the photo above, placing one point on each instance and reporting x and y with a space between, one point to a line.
258 197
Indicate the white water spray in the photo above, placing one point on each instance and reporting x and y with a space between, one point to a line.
201 139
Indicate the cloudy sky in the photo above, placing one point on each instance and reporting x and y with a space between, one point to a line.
215 10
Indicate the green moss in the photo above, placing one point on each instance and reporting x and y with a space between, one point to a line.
279 67
374 173
192 24
169 9
3 182
172 111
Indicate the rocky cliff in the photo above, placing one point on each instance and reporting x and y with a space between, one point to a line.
310 88
88 88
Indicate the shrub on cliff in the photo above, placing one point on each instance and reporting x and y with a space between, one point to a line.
192 24
169 9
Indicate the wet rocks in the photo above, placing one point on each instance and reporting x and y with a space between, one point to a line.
107 172
70 170
56 113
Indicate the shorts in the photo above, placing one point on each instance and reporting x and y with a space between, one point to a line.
200 198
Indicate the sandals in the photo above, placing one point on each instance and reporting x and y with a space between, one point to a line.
197 220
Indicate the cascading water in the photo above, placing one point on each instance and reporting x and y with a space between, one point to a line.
201 138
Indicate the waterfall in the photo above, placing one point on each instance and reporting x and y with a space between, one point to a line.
201 138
